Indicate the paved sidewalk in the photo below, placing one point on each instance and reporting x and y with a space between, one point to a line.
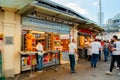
62 72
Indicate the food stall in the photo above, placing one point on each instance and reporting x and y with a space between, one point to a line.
84 38
86 33
48 33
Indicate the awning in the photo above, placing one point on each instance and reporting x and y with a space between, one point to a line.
51 12
93 27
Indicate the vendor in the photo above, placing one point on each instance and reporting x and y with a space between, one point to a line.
86 48
39 49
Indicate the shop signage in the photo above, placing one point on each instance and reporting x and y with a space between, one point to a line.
86 31
50 18
46 26
67 36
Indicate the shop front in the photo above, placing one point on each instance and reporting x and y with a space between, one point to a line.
86 34
84 39
52 36
24 25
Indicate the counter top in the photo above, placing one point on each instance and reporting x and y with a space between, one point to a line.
31 52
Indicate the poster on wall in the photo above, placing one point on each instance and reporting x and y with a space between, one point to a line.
8 40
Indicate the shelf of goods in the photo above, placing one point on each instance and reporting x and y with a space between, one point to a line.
51 58
54 42
28 59
65 43
30 42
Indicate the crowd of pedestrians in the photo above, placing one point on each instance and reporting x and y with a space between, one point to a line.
95 50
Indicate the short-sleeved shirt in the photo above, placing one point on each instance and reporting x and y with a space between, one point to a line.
39 48
116 45
72 47
95 47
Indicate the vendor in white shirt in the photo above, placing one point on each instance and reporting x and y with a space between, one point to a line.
39 49
72 55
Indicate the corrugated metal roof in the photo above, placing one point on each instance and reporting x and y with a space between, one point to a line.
67 8
37 5
49 11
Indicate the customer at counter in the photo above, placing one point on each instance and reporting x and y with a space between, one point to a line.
39 48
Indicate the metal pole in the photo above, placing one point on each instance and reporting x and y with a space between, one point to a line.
100 13
31 75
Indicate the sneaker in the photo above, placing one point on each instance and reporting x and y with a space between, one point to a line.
91 66
117 68
73 71
39 71
119 74
108 73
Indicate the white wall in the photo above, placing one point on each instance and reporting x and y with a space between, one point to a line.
11 27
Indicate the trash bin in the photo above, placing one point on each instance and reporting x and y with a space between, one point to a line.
2 77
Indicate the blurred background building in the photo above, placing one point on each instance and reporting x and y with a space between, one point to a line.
113 24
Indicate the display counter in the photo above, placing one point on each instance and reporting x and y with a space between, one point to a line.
51 57
82 52
28 59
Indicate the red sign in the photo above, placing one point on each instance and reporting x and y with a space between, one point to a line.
86 31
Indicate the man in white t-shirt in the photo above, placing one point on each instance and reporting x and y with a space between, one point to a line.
95 46
39 49
72 55
115 54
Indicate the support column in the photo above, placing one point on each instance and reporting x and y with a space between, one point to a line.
12 33
1 18
74 33
17 43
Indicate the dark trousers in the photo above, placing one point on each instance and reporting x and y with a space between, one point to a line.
105 55
99 54
72 61
39 62
89 57
94 60
114 58
85 54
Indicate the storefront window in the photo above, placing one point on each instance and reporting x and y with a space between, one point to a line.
50 41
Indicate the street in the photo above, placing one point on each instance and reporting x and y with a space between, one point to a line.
83 72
